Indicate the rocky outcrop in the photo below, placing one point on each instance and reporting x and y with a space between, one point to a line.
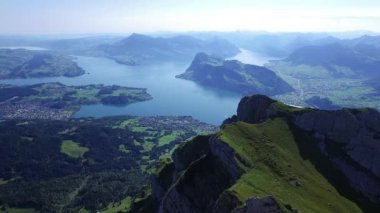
198 187
259 205
348 137
201 172
226 202
355 138
205 171
255 109
226 157
190 152
182 159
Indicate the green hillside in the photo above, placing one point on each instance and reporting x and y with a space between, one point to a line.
271 157
280 170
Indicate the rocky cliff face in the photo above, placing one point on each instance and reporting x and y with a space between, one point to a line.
253 109
208 173
200 185
259 205
199 178
355 134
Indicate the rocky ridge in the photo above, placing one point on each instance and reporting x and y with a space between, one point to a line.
229 171
354 131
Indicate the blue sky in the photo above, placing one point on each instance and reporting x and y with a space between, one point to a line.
126 16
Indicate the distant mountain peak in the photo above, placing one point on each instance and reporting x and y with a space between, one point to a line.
201 56
138 35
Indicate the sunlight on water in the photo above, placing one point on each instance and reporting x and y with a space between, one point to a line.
249 57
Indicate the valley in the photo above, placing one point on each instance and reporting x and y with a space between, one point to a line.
310 81
343 75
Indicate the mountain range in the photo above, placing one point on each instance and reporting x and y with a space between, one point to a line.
362 59
139 49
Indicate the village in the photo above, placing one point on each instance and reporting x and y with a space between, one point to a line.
32 111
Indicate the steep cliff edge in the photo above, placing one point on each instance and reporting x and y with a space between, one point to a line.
271 157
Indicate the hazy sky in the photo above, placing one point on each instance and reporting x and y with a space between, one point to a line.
126 16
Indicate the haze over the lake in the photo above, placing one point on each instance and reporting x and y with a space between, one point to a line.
126 16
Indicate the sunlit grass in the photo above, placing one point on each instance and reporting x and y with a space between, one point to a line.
73 149
279 170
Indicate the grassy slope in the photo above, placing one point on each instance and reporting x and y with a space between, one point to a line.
73 149
123 205
167 139
279 169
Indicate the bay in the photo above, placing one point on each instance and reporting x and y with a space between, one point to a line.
171 96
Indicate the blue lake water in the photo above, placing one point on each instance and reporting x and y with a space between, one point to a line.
171 96
249 57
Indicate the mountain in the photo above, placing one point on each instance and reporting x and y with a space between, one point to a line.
271 157
365 39
77 45
362 59
345 71
276 45
234 76
21 63
281 45
139 49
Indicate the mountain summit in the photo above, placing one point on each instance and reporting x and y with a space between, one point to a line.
271 157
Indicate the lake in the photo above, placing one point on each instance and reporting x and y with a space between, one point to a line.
171 96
